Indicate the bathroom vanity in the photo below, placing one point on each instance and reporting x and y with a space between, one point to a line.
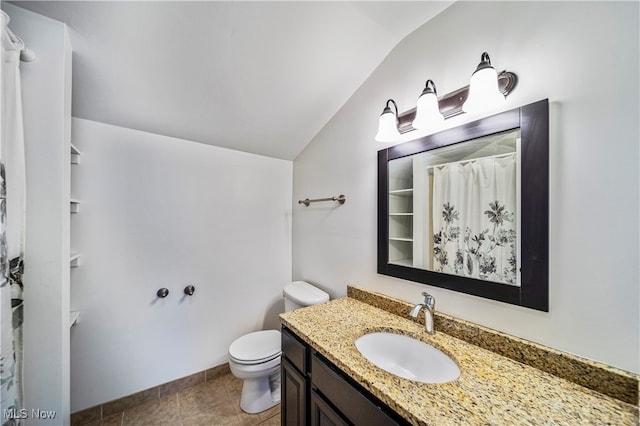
316 392
326 380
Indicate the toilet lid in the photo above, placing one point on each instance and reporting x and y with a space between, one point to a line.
256 347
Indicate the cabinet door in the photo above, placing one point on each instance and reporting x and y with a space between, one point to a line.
322 414
357 407
293 396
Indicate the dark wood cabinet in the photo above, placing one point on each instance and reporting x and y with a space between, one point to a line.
295 383
322 414
294 395
316 392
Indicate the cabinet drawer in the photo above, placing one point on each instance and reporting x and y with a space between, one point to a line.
353 404
294 350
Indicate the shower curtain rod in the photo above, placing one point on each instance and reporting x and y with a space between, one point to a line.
471 159
26 54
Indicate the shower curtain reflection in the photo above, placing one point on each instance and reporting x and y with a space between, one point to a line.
474 216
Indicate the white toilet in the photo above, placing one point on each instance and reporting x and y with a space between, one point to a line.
255 357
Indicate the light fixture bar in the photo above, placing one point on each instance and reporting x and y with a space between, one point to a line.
451 104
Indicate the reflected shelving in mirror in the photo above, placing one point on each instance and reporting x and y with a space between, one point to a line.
400 219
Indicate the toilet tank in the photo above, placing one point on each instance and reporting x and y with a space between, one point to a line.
299 294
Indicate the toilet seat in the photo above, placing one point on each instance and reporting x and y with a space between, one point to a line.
256 348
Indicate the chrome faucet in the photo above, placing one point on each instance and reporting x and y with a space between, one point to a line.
429 313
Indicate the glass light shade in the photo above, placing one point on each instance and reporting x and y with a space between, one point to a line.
388 128
483 91
427 112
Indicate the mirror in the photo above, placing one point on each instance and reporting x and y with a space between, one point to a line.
467 208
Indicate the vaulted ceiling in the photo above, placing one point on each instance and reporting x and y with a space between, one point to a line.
261 77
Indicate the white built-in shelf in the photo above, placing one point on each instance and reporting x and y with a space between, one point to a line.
73 318
402 262
400 239
406 191
75 155
74 205
400 214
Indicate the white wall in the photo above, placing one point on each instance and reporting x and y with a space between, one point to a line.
46 94
583 57
162 212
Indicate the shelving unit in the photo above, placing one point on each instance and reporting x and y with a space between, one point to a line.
401 212
74 261
73 318
74 207
75 155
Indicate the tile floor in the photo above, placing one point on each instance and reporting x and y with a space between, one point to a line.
212 403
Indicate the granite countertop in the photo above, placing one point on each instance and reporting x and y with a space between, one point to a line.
491 389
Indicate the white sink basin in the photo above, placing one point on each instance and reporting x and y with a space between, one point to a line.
407 357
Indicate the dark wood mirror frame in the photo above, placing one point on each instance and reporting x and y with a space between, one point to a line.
533 292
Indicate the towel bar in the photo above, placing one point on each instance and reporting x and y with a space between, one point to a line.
340 199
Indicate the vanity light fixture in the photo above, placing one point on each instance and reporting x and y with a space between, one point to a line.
388 125
427 109
483 88
486 90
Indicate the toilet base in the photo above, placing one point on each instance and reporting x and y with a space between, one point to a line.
260 394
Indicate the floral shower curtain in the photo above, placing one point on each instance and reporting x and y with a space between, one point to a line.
12 218
474 219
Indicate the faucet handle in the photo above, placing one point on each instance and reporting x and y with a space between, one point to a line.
429 299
